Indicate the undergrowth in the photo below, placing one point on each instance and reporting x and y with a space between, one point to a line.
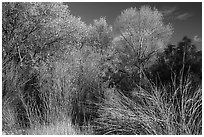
151 113
65 105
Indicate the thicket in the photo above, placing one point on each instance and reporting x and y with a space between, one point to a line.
61 76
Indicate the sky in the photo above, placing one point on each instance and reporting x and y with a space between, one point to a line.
185 17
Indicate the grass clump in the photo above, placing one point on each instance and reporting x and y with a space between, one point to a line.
151 113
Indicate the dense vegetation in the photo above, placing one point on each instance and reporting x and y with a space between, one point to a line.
62 76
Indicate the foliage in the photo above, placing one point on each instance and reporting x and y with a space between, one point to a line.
142 33
100 35
38 30
60 76
35 34
183 56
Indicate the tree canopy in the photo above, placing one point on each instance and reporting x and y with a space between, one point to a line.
33 30
141 33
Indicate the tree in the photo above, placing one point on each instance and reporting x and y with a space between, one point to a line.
142 33
100 35
181 60
33 30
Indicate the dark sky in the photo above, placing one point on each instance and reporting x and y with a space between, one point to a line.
186 17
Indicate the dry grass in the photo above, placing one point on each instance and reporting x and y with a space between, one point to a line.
64 127
150 113
63 90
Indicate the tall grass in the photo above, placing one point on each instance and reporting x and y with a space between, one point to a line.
73 84
64 91
69 105
150 112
